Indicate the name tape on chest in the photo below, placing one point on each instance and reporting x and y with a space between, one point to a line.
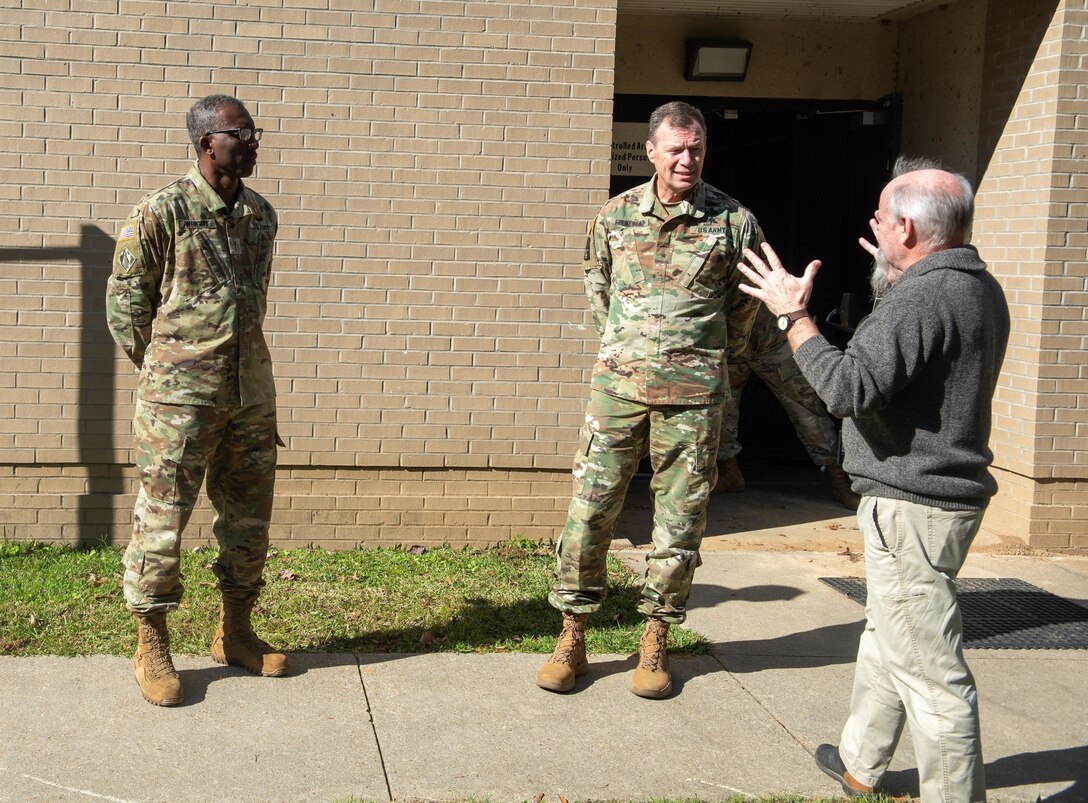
190 225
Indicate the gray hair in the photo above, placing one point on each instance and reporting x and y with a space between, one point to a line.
941 218
679 115
204 115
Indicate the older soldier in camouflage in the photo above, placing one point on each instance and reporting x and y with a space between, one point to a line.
769 357
186 301
660 271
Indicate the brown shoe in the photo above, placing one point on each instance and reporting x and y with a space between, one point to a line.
840 487
236 643
652 677
159 681
568 660
730 480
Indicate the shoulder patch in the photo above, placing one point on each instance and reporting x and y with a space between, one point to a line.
126 259
128 232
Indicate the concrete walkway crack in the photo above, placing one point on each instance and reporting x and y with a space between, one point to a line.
785 728
373 726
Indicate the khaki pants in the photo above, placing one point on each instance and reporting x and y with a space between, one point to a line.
910 664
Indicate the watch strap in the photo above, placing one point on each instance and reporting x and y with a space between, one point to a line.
788 319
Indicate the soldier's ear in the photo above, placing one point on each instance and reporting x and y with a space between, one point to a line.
205 143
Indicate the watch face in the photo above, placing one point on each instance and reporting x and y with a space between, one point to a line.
783 322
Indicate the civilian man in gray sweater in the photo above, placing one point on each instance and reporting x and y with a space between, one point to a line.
914 387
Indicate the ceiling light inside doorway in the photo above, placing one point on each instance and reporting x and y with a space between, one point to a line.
725 60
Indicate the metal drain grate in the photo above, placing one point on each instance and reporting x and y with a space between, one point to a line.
1004 613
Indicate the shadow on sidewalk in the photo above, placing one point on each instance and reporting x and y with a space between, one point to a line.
823 646
710 596
1047 766
1066 765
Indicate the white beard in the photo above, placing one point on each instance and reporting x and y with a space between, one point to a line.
879 282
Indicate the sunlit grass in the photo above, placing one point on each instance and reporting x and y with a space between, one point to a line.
59 601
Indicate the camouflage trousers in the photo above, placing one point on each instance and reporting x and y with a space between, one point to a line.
176 445
814 425
682 441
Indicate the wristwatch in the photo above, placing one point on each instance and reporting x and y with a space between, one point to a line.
787 320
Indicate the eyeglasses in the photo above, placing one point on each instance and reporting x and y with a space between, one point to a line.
244 134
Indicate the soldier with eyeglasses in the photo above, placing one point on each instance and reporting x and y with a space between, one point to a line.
186 301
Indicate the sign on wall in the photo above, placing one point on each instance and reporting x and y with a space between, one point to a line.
629 150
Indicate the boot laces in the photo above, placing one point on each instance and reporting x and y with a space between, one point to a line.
564 647
651 649
159 662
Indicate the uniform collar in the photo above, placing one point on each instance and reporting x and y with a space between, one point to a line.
242 204
695 205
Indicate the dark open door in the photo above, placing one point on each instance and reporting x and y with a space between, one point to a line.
811 172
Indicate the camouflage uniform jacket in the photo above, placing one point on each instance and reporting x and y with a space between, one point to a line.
664 294
187 297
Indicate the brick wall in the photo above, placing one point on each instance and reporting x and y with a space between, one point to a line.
433 164
331 507
939 78
1032 205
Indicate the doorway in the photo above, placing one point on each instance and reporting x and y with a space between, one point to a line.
811 172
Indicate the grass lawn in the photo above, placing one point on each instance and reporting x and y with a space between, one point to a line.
60 601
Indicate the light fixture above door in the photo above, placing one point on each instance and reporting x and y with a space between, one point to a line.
720 60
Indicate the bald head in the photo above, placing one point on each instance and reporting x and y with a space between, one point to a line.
939 204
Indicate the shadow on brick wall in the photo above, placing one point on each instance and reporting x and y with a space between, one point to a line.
96 381
1015 30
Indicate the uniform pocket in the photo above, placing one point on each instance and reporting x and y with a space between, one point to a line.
217 268
259 254
626 268
700 263
584 473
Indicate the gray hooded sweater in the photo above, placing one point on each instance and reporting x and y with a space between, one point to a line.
916 382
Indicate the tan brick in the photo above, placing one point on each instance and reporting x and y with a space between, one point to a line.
435 297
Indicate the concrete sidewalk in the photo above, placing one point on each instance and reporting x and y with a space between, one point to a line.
439 727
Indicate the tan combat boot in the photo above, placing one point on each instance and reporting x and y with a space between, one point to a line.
652 677
730 480
568 660
236 643
840 487
159 681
